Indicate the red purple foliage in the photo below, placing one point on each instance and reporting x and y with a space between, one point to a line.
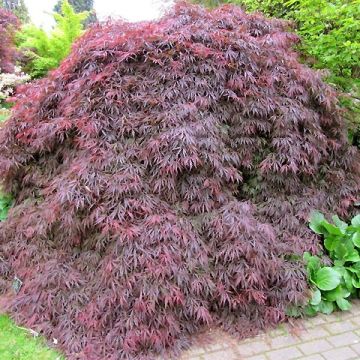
8 23
162 176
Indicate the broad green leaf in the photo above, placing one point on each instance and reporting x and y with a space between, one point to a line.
348 280
356 239
356 283
338 293
311 310
340 269
339 262
348 243
356 221
331 229
340 224
307 256
326 307
316 222
343 304
327 278
331 242
316 297
354 269
356 266
341 251
353 257
312 264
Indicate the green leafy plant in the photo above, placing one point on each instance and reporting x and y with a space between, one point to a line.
327 285
43 51
5 204
333 285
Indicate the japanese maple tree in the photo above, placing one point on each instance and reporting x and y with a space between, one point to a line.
163 176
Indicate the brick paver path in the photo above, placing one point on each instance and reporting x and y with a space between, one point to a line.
324 337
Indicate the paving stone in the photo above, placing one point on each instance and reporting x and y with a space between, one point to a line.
340 327
344 316
253 348
284 341
356 348
331 318
344 353
313 334
317 320
343 339
356 320
286 353
257 357
316 346
355 308
334 337
312 357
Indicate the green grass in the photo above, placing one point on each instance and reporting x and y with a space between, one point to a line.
18 344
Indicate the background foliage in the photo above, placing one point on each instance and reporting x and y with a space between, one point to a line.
80 6
18 8
44 51
9 23
10 75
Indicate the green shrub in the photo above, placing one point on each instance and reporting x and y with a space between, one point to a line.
330 31
45 51
333 285
80 6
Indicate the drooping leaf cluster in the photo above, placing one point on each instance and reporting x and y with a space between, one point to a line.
43 51
8 24
330 33
163 176
329 29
